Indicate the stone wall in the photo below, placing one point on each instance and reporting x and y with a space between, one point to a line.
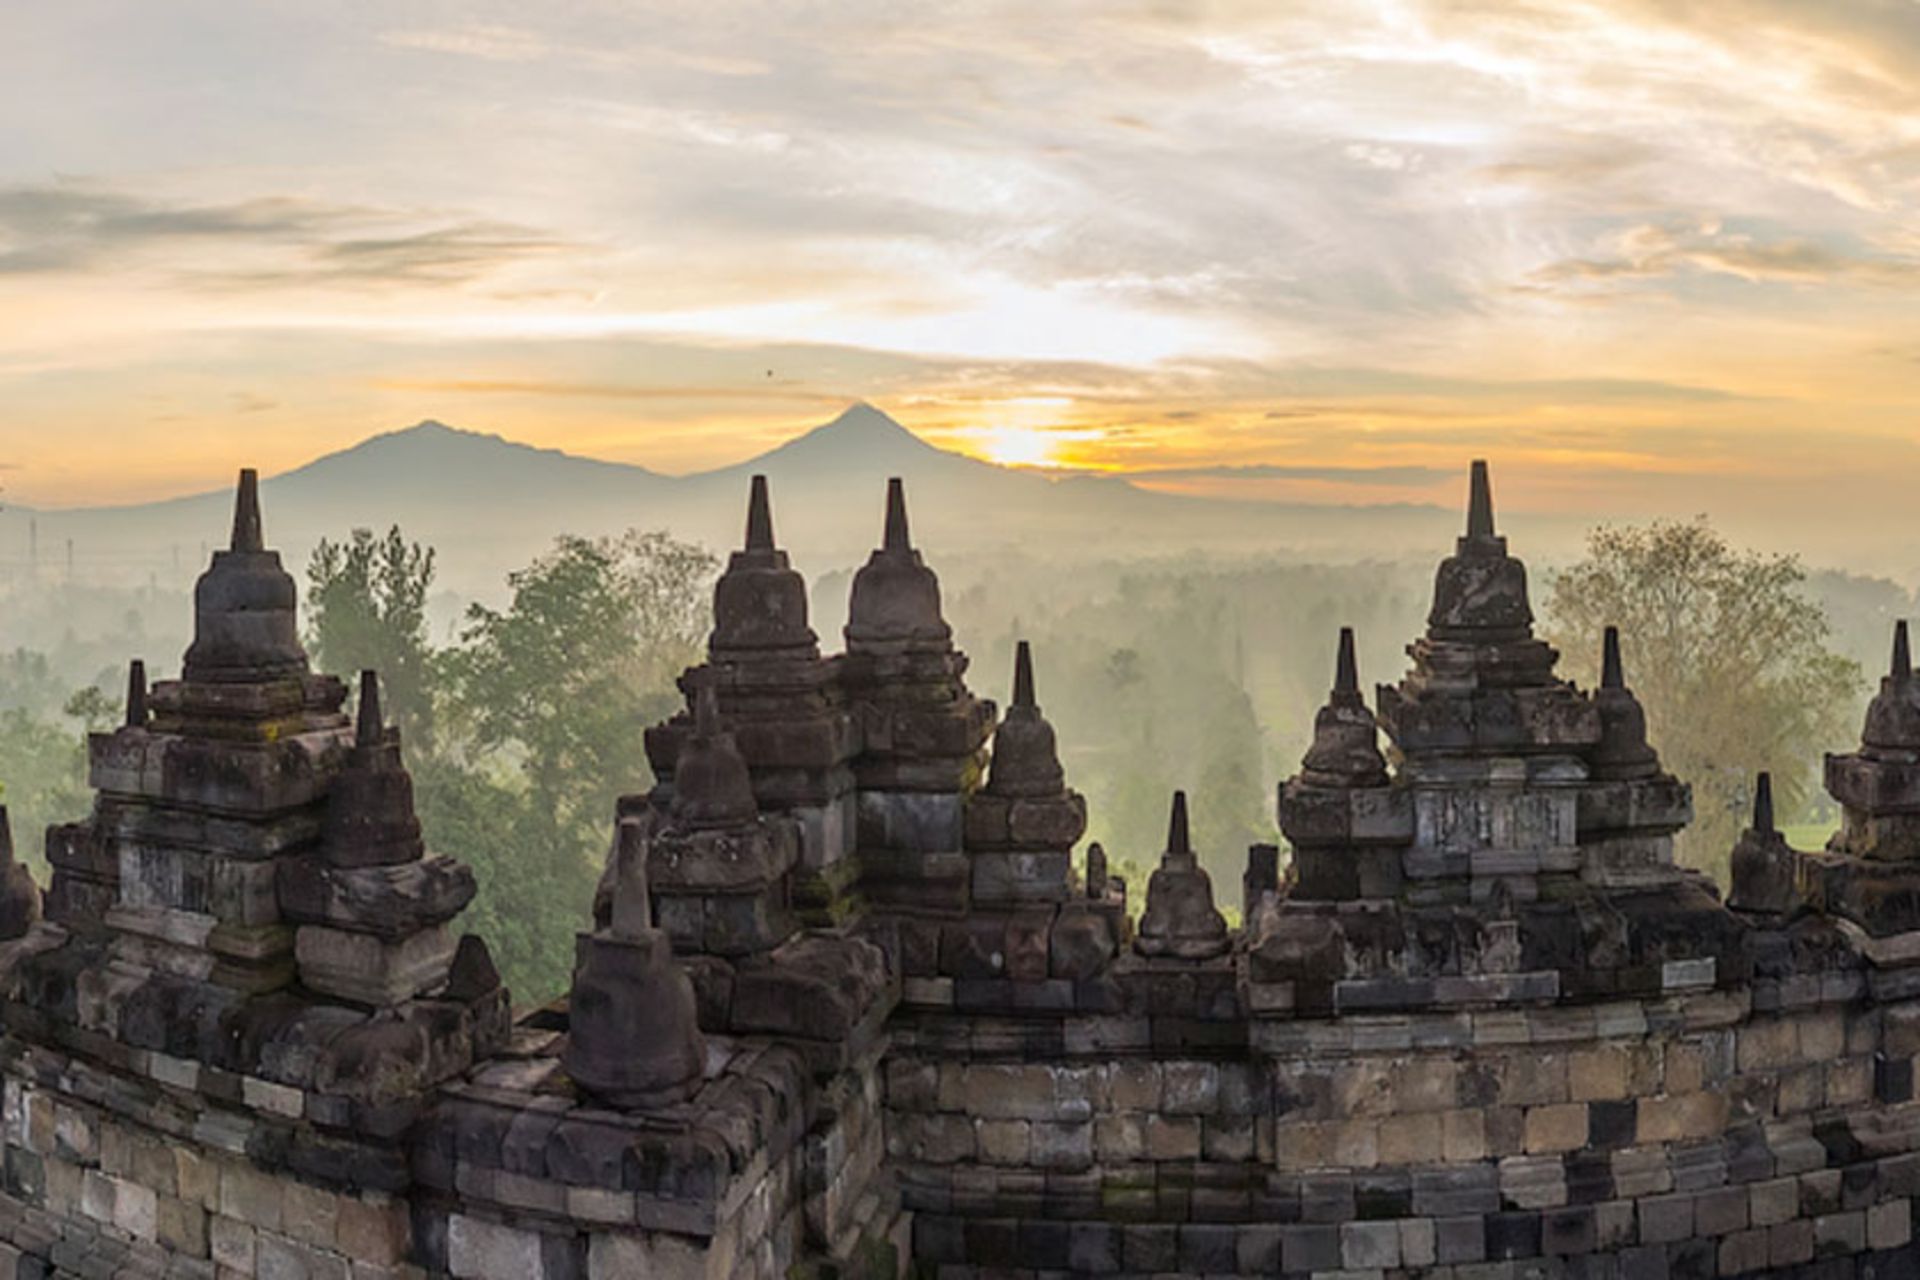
1684 1136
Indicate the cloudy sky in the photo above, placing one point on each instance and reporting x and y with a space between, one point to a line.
1649 254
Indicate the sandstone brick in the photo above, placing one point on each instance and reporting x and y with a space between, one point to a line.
1773 1202
1890 1224
1426 1083
1120 1139
1767 1044
1790 1243
1822 1036
1562 1127
1533 1079
1063 1146
370 1232
1409 1139
1665 1219
1173 1138
181 1226
1678 1117
309 1214
231 1243
1356 1144
1004 1141
198 1178
1840 1234
1417 1247
481 1250
1135 1085
253 1197
1369 1246
136 1209
1190 1088
1743 1252
1463 1135
1597 1074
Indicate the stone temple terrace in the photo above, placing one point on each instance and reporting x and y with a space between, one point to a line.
849 1005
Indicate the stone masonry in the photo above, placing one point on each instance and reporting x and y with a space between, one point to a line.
845 1006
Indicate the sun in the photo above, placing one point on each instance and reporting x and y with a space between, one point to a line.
1017 447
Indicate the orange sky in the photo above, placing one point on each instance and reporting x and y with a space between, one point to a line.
1652 256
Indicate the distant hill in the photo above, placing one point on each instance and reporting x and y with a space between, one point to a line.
488 505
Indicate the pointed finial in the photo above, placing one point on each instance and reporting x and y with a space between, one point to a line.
759 517
1096 870
1902 655
896 536
136 694
367 724
1480 502
247 535
1022 675
1763 803
1177 839
632 912
6 838
1346 671
706 712
1611 676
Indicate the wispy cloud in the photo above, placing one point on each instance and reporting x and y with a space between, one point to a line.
1337 237
73 228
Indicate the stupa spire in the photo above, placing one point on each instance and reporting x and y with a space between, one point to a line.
1023 676
247 532
1180 920
712 787
1611 675
1026 756
1346 669
897 537
1345 751
136 694
1902 666
245 623
1480 502
760 602
632 905
1763 864
759 517
368 727
1763 803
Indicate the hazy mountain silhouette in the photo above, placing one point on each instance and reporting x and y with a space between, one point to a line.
489 504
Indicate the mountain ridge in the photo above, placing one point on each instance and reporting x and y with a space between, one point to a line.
489 504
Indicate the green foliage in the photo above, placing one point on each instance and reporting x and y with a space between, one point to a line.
535 887
566 676
44 767
94 708
521 736
1729 657
367 610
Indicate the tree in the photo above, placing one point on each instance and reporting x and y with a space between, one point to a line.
1729 657
43 771
579 662
367 610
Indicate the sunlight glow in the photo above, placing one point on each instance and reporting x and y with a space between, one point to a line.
1016 447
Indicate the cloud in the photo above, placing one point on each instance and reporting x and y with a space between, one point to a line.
72 228
1651 253
489 43
1412 477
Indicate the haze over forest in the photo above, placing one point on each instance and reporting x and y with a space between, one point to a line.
1181 323
1181 641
